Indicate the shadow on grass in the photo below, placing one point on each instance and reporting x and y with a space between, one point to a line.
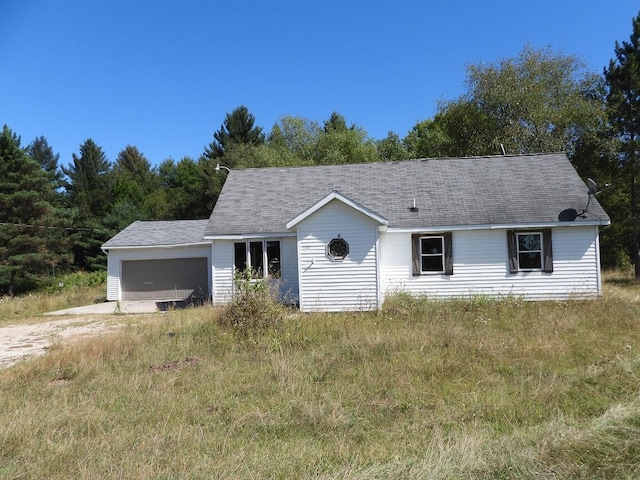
623 281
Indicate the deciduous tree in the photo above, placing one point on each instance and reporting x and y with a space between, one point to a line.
183 191
297 137
132 183
540 101
537 102
341 144
427 139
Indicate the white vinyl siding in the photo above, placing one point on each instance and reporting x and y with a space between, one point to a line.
288 282
223 259
117 256
338 285
481 267
223 266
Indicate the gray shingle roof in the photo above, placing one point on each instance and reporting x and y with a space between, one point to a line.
503 190
161 233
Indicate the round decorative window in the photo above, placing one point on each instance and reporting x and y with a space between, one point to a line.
338 249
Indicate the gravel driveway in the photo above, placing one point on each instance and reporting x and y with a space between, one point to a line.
18 342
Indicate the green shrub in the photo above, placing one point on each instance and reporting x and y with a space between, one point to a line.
254 308
76 280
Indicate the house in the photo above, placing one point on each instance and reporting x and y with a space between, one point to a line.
342 237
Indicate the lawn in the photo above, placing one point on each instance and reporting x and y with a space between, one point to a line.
474 388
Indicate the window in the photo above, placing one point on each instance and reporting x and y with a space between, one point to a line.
432 254
255 254
273 259
256 260
530 251
240 255
338 248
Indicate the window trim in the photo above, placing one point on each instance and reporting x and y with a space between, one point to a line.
546 254
337 258
431 255
265 272
416 252
540 251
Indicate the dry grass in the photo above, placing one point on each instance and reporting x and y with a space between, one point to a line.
622 285
29 307
459 389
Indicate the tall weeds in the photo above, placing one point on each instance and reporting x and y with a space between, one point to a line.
254 309
474 388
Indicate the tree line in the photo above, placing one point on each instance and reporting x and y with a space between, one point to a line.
54 218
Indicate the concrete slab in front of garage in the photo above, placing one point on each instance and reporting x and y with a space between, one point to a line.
125 306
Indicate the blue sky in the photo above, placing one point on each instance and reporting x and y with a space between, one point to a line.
162 75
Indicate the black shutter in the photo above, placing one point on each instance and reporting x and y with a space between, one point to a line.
448 253
547 251
415 254
513 251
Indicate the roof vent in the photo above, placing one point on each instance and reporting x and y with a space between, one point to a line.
414 208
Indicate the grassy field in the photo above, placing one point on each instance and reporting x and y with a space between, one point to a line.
73 290
479 389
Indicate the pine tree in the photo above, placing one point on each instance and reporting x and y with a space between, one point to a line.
32 241
238 128
623 100
88 186
89 195
40 151
132 162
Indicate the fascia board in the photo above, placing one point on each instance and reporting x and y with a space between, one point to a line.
506 226
245 236
129 247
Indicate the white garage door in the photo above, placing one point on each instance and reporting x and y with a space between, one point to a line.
172 279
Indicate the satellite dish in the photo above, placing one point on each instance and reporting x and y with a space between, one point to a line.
593 191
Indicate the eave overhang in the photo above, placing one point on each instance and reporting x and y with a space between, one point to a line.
505 226
139 247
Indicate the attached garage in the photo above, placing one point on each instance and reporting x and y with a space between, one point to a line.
162 261
168 279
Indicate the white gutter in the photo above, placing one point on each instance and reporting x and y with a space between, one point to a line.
199 244
242 236
505 226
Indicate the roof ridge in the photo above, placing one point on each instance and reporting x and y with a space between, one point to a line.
406 160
